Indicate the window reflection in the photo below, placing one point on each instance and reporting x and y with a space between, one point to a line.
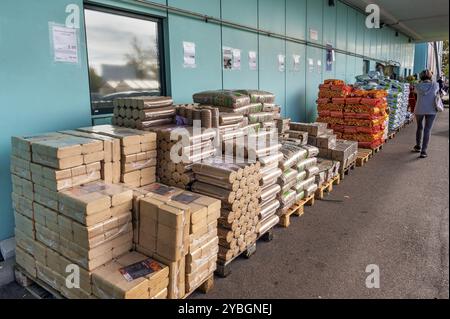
123 54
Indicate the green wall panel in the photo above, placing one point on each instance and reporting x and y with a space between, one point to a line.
341 26
245 41
208 72
351 30
341 64
295 82
350 69
358 66
243 12
296 19
270 77
39 94
360 26
314 19
272 15
367 41
379 43
329 25
313 79
136 7
207 7
373 43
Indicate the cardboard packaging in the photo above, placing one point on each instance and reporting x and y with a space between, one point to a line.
26 261
137 151
313 129
109 281
92 203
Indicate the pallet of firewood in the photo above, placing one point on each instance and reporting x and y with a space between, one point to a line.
327 187
224 268
363 156
204 287
346 171
297 209
35 286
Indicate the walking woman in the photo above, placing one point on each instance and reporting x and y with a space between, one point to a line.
425 111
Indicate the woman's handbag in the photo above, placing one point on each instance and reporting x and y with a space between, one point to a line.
438 105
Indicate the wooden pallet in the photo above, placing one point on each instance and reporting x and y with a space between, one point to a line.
363 156
377 149
297 209
204 287
224 269
35 286
346 171
327 187
392 134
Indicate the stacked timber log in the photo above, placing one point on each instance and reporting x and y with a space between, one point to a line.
237 187
143 112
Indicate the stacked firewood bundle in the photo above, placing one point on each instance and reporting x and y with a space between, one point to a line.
179 148
137 150
143 112
237 186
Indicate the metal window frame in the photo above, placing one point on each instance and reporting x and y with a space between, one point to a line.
88 5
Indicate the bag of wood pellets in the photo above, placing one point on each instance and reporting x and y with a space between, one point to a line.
292 154
300 196
303 185
307 163
287 197
226 98
311 171
287 176
287 186
261 117
270 177
244 110
269 209
310 190
301 176
230 118
270 192
257 96
312 150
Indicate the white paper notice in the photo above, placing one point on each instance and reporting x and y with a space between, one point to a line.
236 59
65 44
313 34
319 66
189 55
227 58
310 65
281 62
296 59
252 60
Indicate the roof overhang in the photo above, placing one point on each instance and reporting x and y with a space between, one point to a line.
421 20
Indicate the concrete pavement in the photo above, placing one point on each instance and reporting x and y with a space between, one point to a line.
393 213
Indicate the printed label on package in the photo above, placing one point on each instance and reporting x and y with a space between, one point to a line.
185 198
140 269
160 189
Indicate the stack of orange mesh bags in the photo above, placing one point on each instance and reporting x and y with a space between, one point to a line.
353 114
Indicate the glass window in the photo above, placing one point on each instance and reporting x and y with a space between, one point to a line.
123 56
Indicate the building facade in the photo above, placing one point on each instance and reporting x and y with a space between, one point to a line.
52 78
